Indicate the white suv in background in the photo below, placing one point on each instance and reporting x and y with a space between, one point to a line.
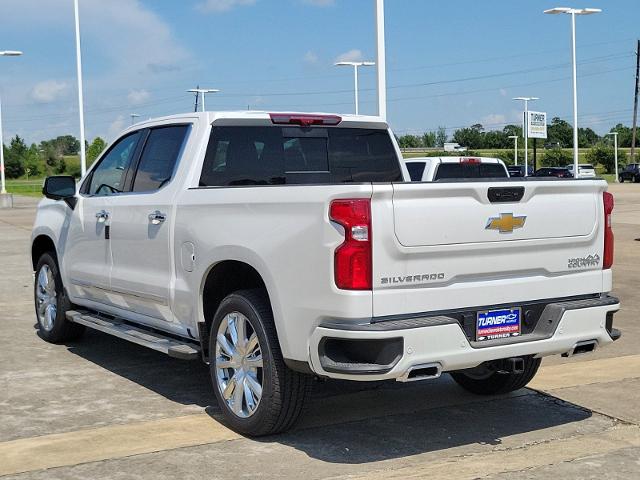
584 171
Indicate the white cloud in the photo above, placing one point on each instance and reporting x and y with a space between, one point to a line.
218 6
320 3
311 58
48 91
136 97
354 55
494 119
503 92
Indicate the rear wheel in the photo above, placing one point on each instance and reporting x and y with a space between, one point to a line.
256 391
621 178
52 304
485 379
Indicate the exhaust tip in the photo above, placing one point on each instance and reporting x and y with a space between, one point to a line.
427 371
581 348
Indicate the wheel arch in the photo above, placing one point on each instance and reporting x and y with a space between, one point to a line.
42 244
222 279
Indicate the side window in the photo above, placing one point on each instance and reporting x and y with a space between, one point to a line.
159 158
416 170
109 176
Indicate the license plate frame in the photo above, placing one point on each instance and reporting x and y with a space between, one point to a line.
498 323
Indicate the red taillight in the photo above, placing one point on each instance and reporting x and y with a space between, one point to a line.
353 269
607 261
469 160
304 120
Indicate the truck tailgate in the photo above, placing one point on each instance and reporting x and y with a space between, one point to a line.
451 247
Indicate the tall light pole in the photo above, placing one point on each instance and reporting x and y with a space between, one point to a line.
381 60
355 66
515 151
83 153
615 149
573 12
3 186
133 117
525 131
202 92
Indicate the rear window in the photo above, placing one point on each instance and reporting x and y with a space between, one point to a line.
448 171
416 170
279 155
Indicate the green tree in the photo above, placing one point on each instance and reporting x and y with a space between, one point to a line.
14 158
441 137
429 139
409 141
32 161
95 149
560 132
587 137
555 157
602 154
625 134
471 137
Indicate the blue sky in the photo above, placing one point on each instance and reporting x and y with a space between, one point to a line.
451 63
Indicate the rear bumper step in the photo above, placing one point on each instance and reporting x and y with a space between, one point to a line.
170 346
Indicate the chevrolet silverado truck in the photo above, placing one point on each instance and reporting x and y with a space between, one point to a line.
279 247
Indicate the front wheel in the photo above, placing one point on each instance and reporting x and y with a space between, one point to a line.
485 379
52 304
621 179
256 391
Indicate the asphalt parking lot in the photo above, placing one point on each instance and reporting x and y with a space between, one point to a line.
104 408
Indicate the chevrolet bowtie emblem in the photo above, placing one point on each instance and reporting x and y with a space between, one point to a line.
505 223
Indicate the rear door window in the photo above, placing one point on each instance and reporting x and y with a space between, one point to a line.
275 155
159 158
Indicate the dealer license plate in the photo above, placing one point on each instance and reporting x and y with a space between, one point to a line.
501 323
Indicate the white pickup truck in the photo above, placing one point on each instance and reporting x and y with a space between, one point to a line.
278 247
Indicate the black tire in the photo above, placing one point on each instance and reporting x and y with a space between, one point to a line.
62 330
621 178
496 383
637 179
283 390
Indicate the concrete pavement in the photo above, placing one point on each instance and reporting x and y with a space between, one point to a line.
103 408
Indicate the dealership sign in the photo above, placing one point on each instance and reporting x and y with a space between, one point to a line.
537 124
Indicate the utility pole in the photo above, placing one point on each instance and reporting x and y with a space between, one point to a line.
195 108
381 60
635 105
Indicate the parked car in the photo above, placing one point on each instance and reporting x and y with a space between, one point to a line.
584 171
631 173
431 169
518 171
278 247
558 172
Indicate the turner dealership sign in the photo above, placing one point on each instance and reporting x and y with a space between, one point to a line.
537 124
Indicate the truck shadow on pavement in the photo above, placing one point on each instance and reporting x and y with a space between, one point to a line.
353 422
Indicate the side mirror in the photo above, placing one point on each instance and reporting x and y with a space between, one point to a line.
60 187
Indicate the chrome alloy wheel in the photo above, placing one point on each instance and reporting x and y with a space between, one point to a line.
46 298
238 364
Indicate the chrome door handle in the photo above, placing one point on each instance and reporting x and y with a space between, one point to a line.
156 218
102 216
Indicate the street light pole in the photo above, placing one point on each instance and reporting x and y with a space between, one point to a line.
525 131
381 60
202 92
515 151
615 149
3 186
83 154
573 12
133 117
355 66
